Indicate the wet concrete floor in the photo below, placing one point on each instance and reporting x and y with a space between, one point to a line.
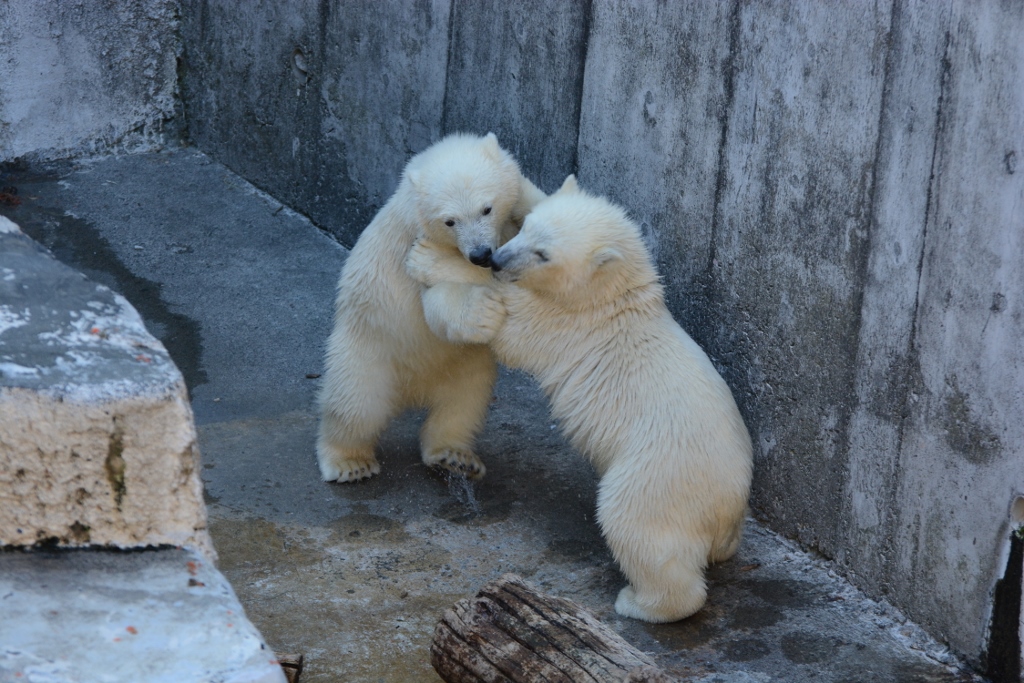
240 291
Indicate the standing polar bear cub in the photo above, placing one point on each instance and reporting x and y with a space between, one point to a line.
586 316
466 195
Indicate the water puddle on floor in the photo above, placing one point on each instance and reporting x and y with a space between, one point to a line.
461 489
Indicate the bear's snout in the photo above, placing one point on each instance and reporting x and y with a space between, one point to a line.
498 261
481 256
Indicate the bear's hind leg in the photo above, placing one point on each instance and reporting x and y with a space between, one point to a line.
728 541
339 458
673 596
663 561
457 410
357 400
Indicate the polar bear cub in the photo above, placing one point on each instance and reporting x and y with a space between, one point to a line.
586 316
466 193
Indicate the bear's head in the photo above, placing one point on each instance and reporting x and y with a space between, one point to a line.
465 188
574 245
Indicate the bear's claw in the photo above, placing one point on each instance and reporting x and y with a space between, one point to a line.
459 462
336 467
358 473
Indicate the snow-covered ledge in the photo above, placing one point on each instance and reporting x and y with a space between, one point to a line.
97 442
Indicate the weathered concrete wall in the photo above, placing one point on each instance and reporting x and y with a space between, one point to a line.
534 51
654 103
85 77
318 103
832 193
957 368
378 84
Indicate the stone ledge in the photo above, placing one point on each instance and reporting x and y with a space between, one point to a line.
102 615
97 441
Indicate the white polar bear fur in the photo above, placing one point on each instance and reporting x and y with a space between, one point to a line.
586 316
381 355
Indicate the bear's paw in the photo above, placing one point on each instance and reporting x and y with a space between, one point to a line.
351 467
421 263
669 602
458 461
485 316
626 605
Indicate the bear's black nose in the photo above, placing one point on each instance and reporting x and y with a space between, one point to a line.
481 256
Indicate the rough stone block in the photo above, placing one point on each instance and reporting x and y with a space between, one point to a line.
97 442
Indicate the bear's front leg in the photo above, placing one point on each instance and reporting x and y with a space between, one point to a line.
462 313
455 309
425 263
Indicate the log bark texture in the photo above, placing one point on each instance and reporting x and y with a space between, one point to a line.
512 633
292 666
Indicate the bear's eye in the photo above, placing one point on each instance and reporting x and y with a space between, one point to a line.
541 255
450 223
487 210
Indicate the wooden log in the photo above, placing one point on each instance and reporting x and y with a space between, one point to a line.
511 633
292 666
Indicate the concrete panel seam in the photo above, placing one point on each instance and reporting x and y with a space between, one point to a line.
452 10
885 124
588 14
912 352
720 175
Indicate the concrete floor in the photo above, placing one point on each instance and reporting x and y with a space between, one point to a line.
355 576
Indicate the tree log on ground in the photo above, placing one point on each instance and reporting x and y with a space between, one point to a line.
292 666
512 633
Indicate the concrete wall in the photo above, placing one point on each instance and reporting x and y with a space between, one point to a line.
318 103
86 77
381 82
831 191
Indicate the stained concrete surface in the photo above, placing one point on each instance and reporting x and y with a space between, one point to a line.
356 576
92 616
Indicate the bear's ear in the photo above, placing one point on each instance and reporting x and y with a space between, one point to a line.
491 146
604 256
414 179
569 185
